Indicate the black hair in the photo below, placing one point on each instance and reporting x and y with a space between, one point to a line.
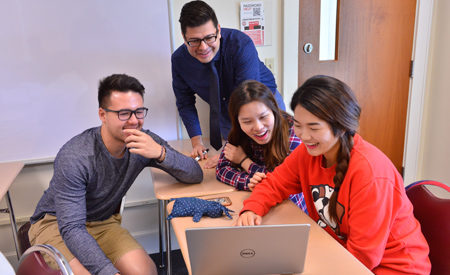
120 83
196 13
333 101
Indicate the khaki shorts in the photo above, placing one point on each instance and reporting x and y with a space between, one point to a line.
114 240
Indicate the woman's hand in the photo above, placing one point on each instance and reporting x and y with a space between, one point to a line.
248 218
255 180
233 153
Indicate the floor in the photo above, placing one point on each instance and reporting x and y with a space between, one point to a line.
178 265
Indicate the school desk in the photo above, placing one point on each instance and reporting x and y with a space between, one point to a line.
324 254
167 187
8 173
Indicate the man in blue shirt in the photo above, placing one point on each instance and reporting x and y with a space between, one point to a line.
235 59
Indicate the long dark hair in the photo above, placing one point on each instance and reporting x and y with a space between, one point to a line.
333 101
278 147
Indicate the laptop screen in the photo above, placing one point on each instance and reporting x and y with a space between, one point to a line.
263 249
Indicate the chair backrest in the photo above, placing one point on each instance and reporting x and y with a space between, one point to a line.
32 262
433 213
23 239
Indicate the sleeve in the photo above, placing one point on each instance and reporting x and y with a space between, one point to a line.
278 186
372 211
183 168
294 141
70 177
185 101
228 174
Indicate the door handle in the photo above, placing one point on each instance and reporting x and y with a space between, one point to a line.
308 47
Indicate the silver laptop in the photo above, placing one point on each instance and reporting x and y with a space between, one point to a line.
263 249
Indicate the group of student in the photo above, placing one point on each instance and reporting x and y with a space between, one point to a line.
315 158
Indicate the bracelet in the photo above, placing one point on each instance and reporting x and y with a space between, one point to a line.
240 163
162 152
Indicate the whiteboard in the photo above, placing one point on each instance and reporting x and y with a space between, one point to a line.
53 54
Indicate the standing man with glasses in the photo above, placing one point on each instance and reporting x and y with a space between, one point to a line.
92 172
211 63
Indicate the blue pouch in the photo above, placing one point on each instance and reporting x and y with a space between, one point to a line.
195 207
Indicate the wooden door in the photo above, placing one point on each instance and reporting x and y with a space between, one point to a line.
373 56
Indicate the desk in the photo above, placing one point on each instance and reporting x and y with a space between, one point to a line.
8 173
324 254
167 187
5 266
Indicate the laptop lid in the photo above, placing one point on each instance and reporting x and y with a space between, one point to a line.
263 249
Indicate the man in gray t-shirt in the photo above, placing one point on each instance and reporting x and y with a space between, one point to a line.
92 172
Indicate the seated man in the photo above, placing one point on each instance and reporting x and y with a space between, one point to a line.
92 172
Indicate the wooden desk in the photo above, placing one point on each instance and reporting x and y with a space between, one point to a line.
167 187
324 254
8 173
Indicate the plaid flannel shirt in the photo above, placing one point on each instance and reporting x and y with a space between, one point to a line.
229 174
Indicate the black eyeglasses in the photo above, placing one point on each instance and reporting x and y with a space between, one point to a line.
208 40
126 114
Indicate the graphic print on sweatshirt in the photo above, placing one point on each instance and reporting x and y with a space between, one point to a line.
321 195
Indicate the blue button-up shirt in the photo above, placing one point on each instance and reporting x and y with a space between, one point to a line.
236 61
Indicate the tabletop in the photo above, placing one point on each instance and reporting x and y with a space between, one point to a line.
324 254
8 173
167 187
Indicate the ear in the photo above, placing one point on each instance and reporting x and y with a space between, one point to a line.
102 114
219 35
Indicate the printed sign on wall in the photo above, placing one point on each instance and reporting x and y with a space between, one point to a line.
252 21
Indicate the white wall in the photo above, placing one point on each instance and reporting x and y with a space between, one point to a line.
435 145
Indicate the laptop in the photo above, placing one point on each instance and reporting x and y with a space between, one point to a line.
263 249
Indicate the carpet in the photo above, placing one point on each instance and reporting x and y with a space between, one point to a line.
178 265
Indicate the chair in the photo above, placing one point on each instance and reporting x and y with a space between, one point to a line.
433 213
32 263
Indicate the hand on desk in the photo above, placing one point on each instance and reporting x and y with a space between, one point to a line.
255 180
212 162
248 218
197 151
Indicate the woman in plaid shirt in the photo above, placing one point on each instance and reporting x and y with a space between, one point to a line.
261 137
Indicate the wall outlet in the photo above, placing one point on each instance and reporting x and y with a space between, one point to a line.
270 64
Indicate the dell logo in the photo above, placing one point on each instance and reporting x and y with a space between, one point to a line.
247 253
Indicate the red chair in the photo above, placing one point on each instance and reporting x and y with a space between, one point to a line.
32 263
433 213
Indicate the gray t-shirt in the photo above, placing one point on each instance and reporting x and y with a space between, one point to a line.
88 184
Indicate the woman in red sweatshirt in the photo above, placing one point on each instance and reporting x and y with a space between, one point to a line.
351 188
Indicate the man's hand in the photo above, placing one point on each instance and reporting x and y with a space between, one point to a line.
233 153
255 180
197 147
212 162
142 144
248 218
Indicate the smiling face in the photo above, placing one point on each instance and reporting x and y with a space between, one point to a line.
316 134
203 52
257 121
112 127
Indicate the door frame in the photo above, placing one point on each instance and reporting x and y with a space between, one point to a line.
417 89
